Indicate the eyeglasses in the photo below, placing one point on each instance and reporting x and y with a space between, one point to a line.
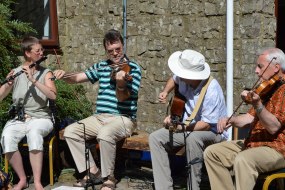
38 51
111 51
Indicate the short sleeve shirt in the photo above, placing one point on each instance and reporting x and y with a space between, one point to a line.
213 106
107 101
259 136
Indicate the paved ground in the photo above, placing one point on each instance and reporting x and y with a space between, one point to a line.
133 171
135 179
132 174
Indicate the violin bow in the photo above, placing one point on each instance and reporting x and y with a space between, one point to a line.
274 58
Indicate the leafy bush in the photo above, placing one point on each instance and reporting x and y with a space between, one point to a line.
11 32
71 101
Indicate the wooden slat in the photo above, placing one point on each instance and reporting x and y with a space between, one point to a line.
139 141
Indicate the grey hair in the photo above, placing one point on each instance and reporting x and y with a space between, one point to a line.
277 54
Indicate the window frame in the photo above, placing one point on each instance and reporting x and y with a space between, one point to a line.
52 42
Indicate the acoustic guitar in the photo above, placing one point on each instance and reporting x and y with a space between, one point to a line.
177 107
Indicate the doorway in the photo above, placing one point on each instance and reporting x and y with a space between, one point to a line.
280 33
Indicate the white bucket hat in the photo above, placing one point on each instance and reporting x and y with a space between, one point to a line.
189 64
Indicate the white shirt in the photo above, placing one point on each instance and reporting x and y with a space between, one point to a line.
213 106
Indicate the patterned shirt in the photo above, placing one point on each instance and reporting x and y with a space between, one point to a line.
259 136
213 106
107 101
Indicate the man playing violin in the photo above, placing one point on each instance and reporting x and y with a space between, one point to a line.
191 74
264 149
116 107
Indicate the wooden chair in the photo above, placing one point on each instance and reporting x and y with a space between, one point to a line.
50 146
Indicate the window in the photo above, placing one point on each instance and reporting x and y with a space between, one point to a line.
42 15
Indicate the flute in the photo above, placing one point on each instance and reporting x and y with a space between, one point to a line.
20 72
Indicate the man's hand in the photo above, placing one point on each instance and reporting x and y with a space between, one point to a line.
167 123
162 97
59 74
251 97
223 124
120 79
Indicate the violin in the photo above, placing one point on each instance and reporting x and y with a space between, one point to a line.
122 66
264 88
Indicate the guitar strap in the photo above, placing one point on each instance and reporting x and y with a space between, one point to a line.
198 104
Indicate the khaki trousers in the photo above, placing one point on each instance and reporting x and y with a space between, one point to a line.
108 129
227 158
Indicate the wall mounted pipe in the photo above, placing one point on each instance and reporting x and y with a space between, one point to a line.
229 49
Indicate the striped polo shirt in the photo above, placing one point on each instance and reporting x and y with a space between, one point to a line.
107 101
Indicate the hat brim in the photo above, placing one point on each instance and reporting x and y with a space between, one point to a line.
175 66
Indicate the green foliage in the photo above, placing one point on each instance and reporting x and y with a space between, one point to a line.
11 32
71 101
4 107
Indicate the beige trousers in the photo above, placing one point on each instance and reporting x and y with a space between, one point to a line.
108 129
228 158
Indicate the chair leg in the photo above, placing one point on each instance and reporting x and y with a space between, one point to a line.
51 162
6 164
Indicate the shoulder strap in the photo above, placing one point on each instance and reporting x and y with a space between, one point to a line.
198 104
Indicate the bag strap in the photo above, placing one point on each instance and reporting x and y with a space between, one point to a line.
199 102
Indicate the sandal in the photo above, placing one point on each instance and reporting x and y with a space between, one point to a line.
94 179
110 183
112 186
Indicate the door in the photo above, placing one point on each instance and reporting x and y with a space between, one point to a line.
280 15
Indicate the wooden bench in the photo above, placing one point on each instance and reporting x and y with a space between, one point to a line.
139 141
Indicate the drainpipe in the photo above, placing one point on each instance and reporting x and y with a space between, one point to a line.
125 25
229 95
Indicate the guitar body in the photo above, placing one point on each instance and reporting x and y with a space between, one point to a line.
177 106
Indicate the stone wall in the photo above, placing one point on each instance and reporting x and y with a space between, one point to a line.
157 28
